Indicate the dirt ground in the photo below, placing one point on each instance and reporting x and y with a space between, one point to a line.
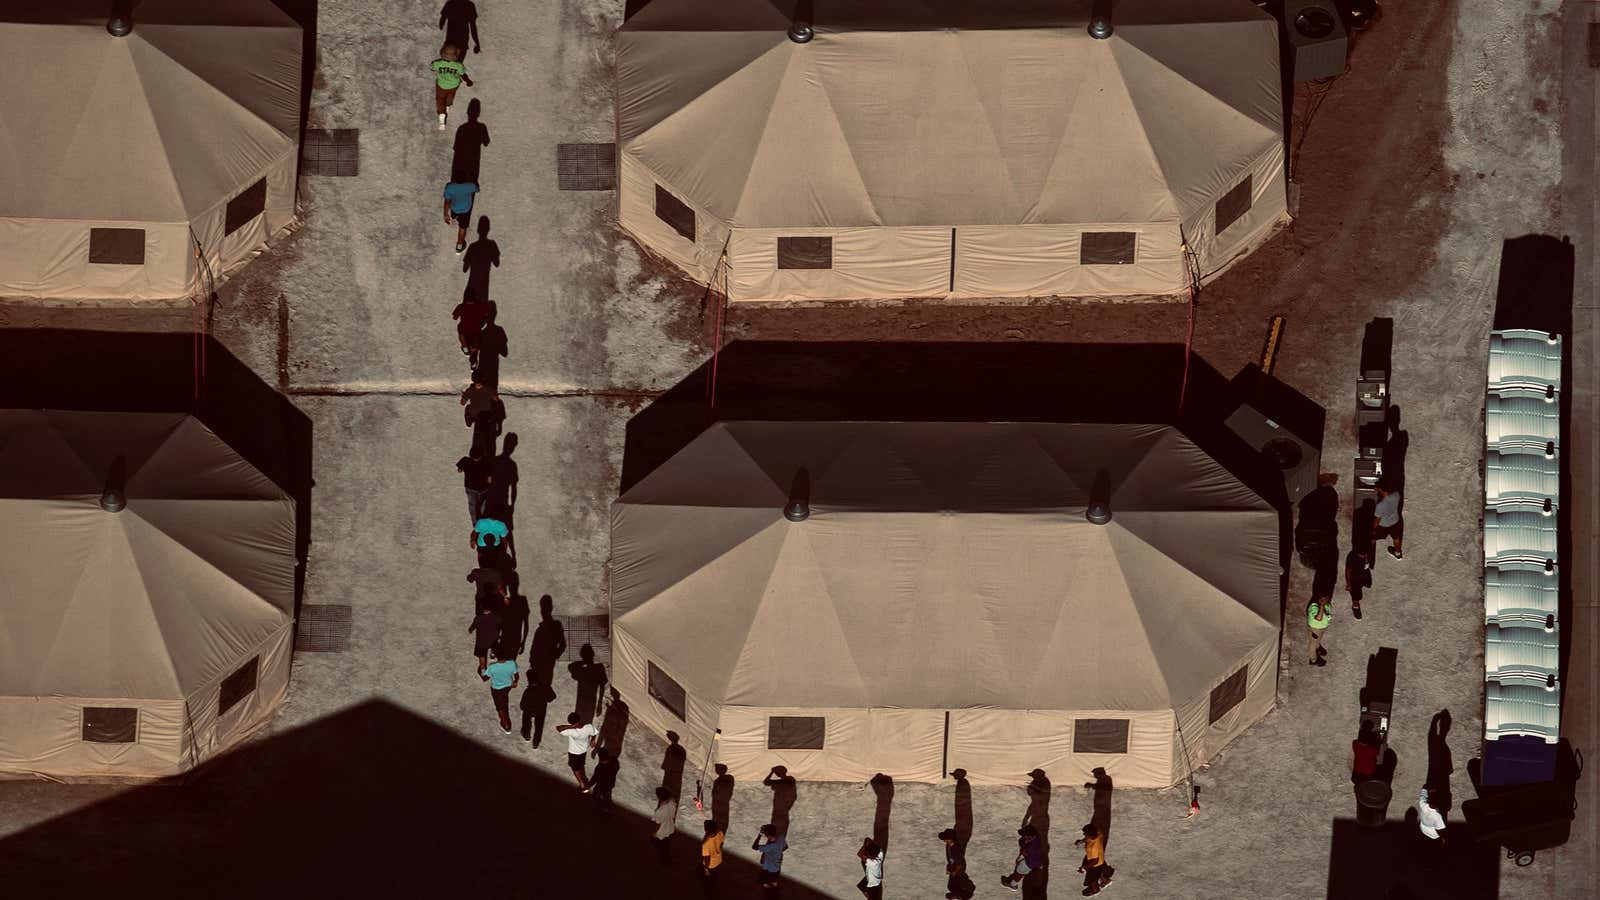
1445 138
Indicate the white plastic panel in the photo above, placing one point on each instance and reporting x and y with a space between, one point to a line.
1521 482
1523 357
1521 709
1520 655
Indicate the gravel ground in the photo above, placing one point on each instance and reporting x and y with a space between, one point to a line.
1442 141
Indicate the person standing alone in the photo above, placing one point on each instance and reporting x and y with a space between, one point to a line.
448 74
666 819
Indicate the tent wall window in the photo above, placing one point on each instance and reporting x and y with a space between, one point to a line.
1227 695
1099 735
805 252
239 685
1234 204
110 724
246 206
1107 248
668 693
116 246
674 212
796 732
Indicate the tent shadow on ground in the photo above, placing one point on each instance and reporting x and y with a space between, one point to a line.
803 381
1396 861
52 368
371 801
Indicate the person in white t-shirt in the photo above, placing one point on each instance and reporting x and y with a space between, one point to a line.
871 883
1428 818
580 740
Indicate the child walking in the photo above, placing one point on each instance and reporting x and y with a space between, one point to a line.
448 73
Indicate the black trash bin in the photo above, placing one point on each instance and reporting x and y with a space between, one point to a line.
1372 803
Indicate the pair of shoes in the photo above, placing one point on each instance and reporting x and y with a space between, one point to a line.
1320 662
1395 553
1090 891
461 247
1008 885
441 121
527 736
1356 610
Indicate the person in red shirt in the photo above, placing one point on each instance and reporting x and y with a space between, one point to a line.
1364 751
470 314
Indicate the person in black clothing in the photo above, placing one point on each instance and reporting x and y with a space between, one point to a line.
1325 576
604 779
514 623
535 702
1357 577
1361 534
488 580
1318 523
957 885
471 137
483 255
476 471
457 18
486 626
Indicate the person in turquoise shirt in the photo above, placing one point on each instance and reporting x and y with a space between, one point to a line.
488 533
1318 615
502 678
458 197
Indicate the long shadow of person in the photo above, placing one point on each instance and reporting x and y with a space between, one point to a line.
549 643
721 794
883 791
672 763
591 679
503 469
963 809
1394 452
492 346
1037 883
615 725
1440 764
471 137
481 256
785 791
1101 786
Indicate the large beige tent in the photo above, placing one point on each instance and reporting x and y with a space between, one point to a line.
946 604
142 167
140 642
916 149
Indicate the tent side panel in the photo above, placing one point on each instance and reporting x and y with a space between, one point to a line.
1204 739
1269 208
998 746
636 197
905 744
866 263
49 258
1045 260
629 665
43 736
210 734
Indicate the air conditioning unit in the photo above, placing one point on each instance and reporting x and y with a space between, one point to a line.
1282 425
1317 37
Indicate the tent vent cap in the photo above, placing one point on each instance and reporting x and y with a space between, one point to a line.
120 24
115 497
799 508
1100 20
1099 511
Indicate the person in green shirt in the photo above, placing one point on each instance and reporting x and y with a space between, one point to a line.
1318 615
448 74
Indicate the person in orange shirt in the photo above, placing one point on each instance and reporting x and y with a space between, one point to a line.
1096 874
711 858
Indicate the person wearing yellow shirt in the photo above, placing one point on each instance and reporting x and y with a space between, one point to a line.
711 858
